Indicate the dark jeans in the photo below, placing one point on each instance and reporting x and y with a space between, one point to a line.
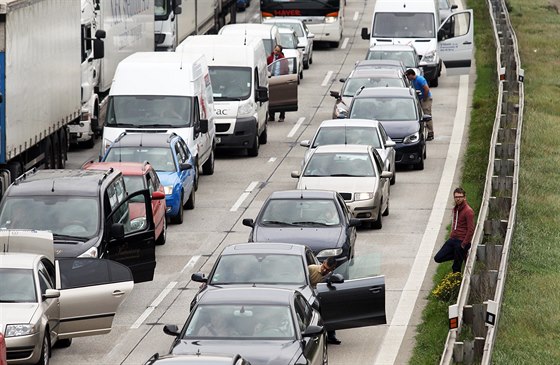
282 115
452 250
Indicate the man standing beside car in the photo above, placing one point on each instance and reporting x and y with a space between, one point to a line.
421 85
317 274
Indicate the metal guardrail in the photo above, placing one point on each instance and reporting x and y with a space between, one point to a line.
476 312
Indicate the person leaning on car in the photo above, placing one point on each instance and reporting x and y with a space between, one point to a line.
421 84
317 274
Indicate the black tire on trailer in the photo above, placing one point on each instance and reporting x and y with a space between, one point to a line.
16 169
56 149
48 148
63 143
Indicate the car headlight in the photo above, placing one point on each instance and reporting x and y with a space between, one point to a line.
168 189
363 196
91 253
331 19
413 138
430 57
330 252
15 330
138 224
266 18
245 110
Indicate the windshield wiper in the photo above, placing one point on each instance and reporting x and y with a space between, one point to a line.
307 223
277 222
344 175
123 124
57 236
157 125
227 98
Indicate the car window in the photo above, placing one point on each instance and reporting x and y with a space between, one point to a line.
384 108
131 214
184 149
18 286
181 158
304 312
339 165
160 158
408 57
347 135
384 135
343 205
353 84
45 281
154 180
378 161
299 212
297 28
82 272
360 267
49 267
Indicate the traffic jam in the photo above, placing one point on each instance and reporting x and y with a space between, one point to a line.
106 163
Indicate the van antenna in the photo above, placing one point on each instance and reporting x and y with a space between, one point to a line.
182 54
245 39
345 135
52 188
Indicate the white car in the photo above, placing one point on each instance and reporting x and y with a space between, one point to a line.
289 43
356 172
354 131
305 37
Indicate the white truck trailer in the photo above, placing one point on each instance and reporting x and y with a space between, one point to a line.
40 83
177 19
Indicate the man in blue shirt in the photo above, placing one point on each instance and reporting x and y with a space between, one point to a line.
421 85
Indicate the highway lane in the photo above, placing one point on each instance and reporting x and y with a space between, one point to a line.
418 200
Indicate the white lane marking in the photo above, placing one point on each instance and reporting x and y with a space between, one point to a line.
272 159
394 336
191 263
356 15
154 304
296 127
244 196
344 43
327 78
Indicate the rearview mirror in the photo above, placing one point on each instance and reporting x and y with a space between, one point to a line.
335 279
199 277
248 222
117 231
305 143
354 222
335 94
98 49
171 330
386 174
427 118
310 35
158 195
50 294
203 127
295 174
185 166
390 143
365 34
313 330
262 94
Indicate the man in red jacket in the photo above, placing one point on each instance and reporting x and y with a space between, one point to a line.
457 246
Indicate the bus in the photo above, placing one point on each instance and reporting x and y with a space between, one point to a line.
324 18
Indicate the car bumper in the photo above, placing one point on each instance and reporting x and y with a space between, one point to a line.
364 210
325 32
80 132
409 154
236 133
23 349
173 204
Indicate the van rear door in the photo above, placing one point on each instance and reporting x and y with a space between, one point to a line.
455 39
283 85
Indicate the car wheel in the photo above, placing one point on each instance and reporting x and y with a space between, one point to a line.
425 152
311 57
191 202
208 167
386 211
434 82
163 236
263 138
178 219
378 224
254 151
45 350
196 173
63 343
305 65
301 73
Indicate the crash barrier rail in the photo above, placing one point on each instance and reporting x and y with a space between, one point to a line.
473 320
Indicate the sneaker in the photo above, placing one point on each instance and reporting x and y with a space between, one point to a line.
270 119
430 136
333 341
280 120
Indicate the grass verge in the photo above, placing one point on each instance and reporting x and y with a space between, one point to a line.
432 332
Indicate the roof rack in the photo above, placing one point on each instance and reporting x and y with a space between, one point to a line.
105 175
120 137
172 135
23 176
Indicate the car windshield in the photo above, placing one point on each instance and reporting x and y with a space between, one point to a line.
300 212
347 135
160 7
403 25
339 164
160 158
384 109
235 321
353 84
259 269
287 41
62 215
230 82
150 111
18 286
407 57
293 26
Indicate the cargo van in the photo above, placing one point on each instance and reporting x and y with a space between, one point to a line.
237 67
164 92
417 22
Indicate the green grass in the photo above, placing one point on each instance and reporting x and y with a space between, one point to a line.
432 332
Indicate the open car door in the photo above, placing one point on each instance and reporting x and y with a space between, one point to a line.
455 39
91 290
283 85
132 238
359 301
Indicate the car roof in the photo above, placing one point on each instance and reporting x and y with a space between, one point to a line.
388 92
127 168
366 63
371 123
18 260
247 296
285 30
194 359
303 194
376 72
346 148
392 47
145 140
268 248
61 182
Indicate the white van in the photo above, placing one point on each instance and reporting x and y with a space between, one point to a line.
164 92
237 66
267 32
417 22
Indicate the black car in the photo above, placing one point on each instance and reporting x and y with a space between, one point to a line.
303 217
197 359
399 110
88 214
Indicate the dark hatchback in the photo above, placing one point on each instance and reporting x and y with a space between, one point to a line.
399 110
318 219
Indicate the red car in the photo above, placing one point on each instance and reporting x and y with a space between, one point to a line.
139 176
3 360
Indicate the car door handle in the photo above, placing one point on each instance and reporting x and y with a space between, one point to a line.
467 42
376 289
118 293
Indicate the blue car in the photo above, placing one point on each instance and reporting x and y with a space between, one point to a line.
172 160
243 4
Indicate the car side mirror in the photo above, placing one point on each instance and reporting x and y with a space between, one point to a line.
342 79
185 166
50 294
335 279
427 118
365 34
335 94
100 34
199 277
454 6
313 330
390 143
342 114
158 195
171 330
203 128
354 222
305 143
98 49
295 174
117 231
386 174
262 94
310 35
248 222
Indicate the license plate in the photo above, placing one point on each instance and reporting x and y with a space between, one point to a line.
218 140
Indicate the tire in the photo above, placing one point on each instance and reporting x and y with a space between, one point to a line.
434 82
163 236
45 350
191 202
263 138
301 74
254 151
419 166
63 343
196 174
378 224
49 153
306 65
208 166
90 143
178 219
63 143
